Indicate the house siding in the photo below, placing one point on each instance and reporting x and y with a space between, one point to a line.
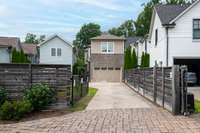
4 55
45 52
118 46
158 53
181 40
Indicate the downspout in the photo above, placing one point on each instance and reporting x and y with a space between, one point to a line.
167 49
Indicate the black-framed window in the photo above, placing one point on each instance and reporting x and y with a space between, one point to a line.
59 51
156 37
104 68
110 68
196 29
53 51
117 68
96 68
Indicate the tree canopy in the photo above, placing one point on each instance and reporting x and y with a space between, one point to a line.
126 29
87 32
32 38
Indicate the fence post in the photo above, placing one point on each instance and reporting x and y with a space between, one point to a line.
30 75
72 95
163 86
81 78
144 82
176 90
154 83
56 77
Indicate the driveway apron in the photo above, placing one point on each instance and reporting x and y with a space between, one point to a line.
116 96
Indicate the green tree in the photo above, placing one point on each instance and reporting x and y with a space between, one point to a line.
14 55
128 59
19 57
32 38
142 24
126 29
87 32
79 67
83 37
145 60
177 1
134 59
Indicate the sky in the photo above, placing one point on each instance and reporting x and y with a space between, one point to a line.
63 17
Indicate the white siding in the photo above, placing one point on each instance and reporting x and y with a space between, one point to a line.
45 52
158 53
4 55
181 43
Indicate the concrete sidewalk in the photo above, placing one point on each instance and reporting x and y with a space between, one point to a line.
116 96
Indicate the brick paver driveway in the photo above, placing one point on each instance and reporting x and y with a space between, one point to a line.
144 118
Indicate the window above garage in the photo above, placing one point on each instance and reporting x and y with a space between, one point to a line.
107 47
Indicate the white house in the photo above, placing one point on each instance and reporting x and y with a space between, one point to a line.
140 44
6 46
56 50
175 35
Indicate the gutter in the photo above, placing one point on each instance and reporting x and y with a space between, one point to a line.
167 26
167 49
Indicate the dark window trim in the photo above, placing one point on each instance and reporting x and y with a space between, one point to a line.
96 68
196 29
117 68
110 68
53 51
156 37
104 68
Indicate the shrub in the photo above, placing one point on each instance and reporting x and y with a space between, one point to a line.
39 96
15 110
3 95
21 108
6 111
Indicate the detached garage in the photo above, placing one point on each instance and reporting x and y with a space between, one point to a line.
106 58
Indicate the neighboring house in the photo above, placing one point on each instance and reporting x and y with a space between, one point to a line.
31 52
6 46
140 44
107 58
56 50
175 35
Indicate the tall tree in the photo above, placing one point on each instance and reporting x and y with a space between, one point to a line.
32 38
142 24
134 59
128 59
87 32
177 1
126 29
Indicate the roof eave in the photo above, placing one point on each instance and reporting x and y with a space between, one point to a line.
185 11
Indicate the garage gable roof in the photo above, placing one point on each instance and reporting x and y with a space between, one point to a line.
55 36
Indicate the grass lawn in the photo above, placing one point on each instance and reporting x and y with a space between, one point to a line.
82 103
197 106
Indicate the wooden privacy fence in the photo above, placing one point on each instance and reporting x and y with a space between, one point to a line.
17 77
160 85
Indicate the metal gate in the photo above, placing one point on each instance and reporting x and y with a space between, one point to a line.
183 87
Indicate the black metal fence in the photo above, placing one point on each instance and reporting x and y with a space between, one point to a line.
80 86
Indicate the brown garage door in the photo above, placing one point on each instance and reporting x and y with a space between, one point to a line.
109 75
